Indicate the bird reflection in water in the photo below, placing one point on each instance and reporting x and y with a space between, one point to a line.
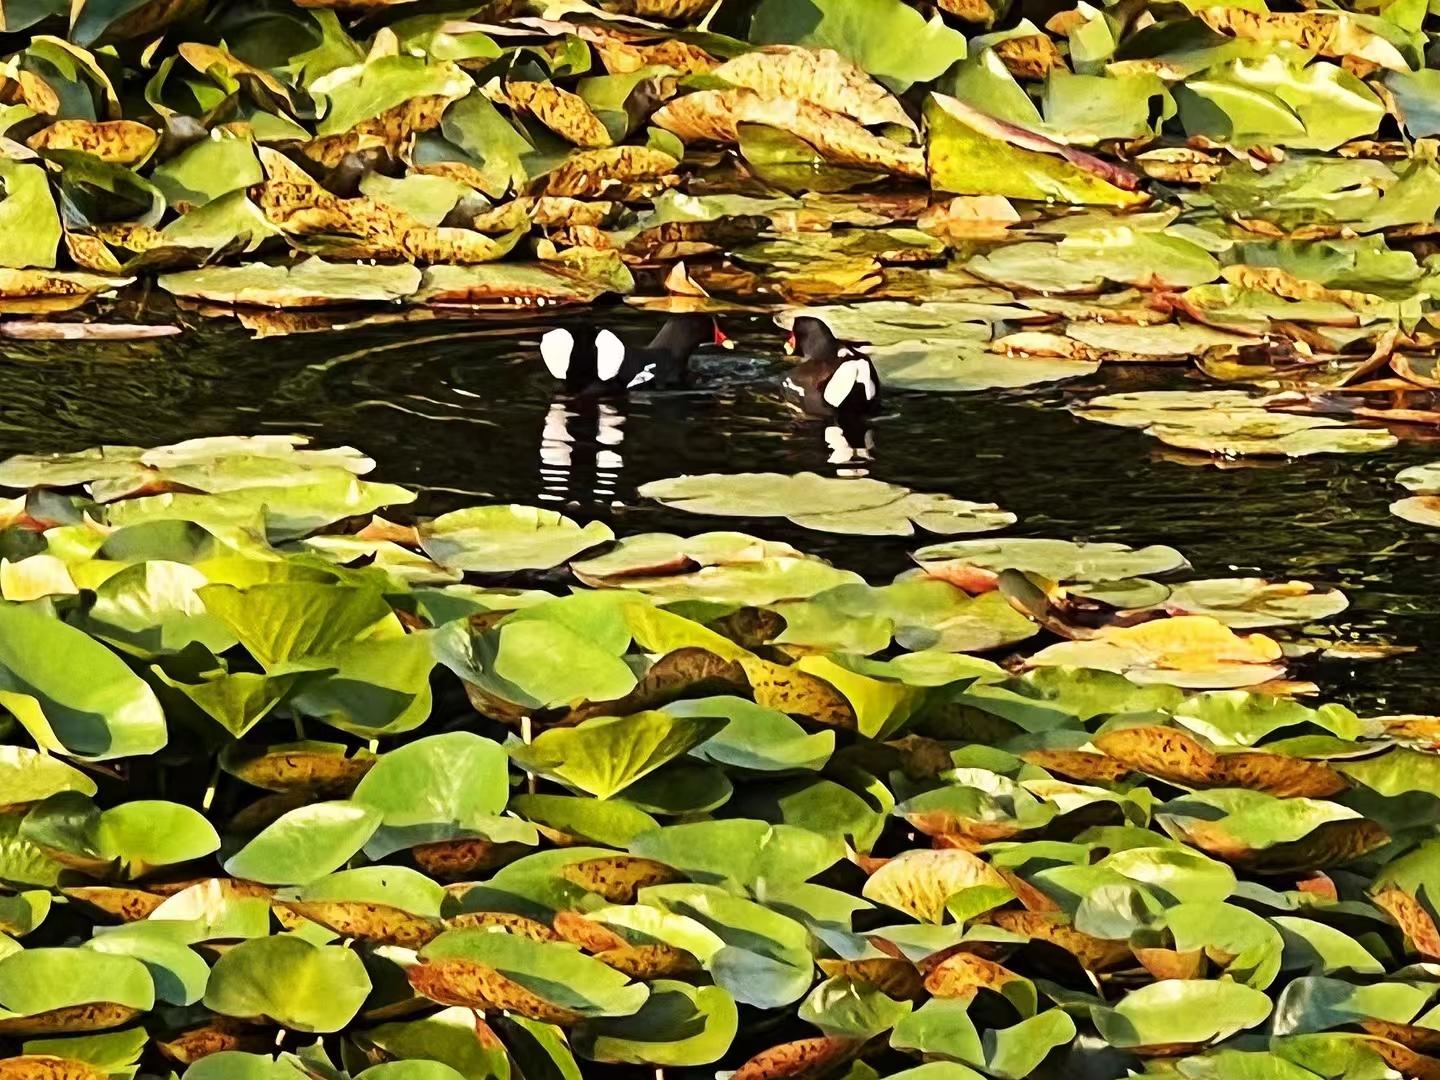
580 458
851 446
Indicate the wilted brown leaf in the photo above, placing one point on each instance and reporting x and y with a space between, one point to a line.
1032 56
460 858
221 1033
48 1067
588 934
90 253
644 962
391 130
789 690
378 923
1094 954
682 673
962 974
149 16
973 11
669 10
820 76
480 987
1328 33
619 877
1082 765
1332 843
623 54
1413 918
121 142
896 977
715 116
507 921
125 904
34 284
1407 1062
1175 756
71 1020
565 113
1165 964
799 1060
303 769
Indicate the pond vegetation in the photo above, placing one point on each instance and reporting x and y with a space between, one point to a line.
1071 716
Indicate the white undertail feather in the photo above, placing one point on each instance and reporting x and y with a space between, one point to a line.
555 349
646 374
609 355
843 381
866 378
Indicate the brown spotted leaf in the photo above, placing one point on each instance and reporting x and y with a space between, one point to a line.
1031 56
1170 964
896 977
715 116
48 1067
1094 954
595 172
962 974
1413 918
645 962
566 114
506 921
222 1033
1333 843
592 936
70 1020
117 901
689 672
790 690
120 142
320 769
377 923
477 986
800 1060
618 878
820 76
390 131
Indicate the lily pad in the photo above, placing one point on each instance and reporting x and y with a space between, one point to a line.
860 506
501 539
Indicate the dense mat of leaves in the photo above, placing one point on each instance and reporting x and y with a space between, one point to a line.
1252 191
711 804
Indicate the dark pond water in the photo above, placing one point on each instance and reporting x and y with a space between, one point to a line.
464 412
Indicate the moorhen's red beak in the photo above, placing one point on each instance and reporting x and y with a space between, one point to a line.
720 338
790 344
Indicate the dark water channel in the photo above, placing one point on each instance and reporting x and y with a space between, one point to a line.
463 412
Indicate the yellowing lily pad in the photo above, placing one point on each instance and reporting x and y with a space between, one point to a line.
1189 650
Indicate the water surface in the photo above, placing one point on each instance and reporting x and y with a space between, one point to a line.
463 412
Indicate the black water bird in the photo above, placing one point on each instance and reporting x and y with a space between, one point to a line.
834 380
602 365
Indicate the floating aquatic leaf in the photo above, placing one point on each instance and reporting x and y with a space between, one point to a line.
288 981
1191 650
312 283
499 539
862 506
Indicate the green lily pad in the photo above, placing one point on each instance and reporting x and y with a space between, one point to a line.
859 506
290 982
1251 603
501 539
312 283
605 755
305 844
